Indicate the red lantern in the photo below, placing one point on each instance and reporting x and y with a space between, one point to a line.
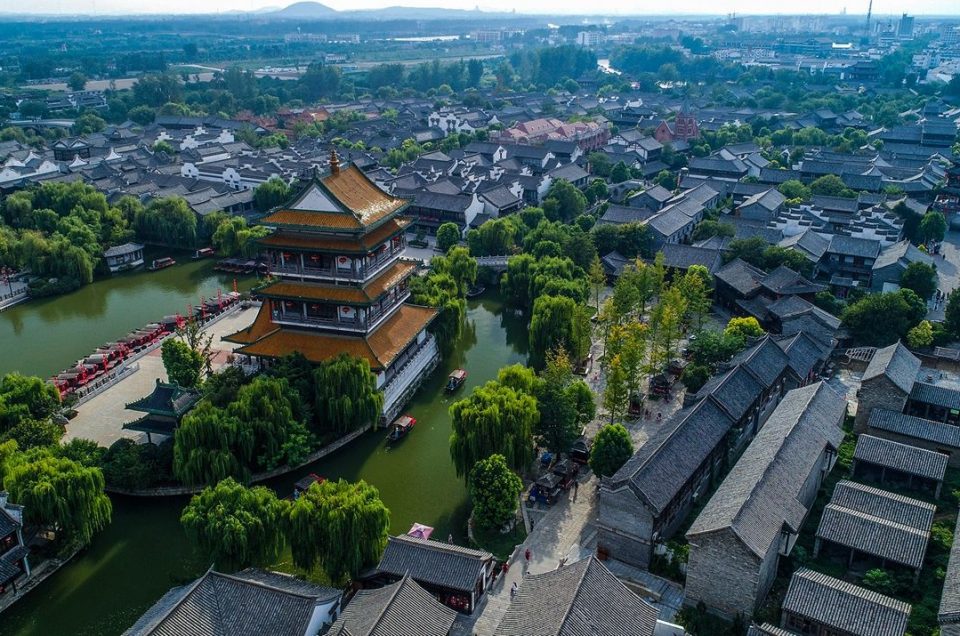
343 260
344 310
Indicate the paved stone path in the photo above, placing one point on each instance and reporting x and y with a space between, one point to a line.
101 419
565 532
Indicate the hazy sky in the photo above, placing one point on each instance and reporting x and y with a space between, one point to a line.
648 7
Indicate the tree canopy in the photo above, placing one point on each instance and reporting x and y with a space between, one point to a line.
338 525
612 447
921 278
236 526
494 489
878 320
494 419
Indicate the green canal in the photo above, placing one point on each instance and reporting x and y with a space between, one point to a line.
144 551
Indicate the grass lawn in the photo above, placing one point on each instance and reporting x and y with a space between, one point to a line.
499 544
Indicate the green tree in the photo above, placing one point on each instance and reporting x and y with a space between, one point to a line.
235 526
346 394
743 328
794 189
558 402
920 336
164 147
77 81
448 235
169 221
552 327
612 447
184 365
598 280
694 376
696 289
620 173
878 320
494 491
61 494
494 419
617 392
30 433
338 525
26 397
831 185
921 278
271 193
563 201
210 445
459 265
143 115
952 313
933 226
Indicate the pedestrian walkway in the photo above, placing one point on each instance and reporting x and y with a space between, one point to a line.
101 419
566 532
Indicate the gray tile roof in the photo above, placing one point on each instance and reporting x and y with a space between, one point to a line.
950 598
219 604
937 395
877 522
903 457
803 353
897 363
760 495
126 248
764 360
853 246
684 256
671 456
768 630
581 599
741 276
844 606
400 609
734 391
433 563
915 427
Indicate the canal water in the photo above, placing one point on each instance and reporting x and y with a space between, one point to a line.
144 551
44 336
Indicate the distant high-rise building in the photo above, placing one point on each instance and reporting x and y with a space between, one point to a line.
905 32
589 38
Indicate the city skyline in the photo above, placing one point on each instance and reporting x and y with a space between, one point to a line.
531 7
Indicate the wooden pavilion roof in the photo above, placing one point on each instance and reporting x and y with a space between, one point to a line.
319 292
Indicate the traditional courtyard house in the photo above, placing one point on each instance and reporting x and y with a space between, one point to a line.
582 598
939 437
249 603
716 167
892 262
679 257
755 515
899 464
14 559
764 206
792 315
648 499
458 576
654 198
886 383
340 285
820 605
874 528
432 209
120 258
164 409
850 258
748 290
949 614
399 609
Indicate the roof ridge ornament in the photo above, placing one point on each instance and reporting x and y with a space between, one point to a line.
334 162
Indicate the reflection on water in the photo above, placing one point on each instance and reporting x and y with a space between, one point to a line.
41 337
144 551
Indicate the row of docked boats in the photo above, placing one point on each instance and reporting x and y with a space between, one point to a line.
242 266
402 426
94 367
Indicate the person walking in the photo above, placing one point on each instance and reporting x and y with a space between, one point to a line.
576 487
526 560
513 591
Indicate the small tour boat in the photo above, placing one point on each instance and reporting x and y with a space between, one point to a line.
204 252
473 292
400 428
161 263
304 483
456 380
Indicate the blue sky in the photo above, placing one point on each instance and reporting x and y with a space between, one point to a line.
612 7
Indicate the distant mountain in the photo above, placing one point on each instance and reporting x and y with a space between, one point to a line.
304 11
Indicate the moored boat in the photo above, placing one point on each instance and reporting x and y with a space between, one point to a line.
473 292
162 263
203 252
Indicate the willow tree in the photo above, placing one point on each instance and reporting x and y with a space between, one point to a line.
552 327
236 526
61 494
211 445
440 290
265 407
460 266
340 526
347 396
494 419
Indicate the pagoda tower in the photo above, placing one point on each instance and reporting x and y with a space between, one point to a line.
340 285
